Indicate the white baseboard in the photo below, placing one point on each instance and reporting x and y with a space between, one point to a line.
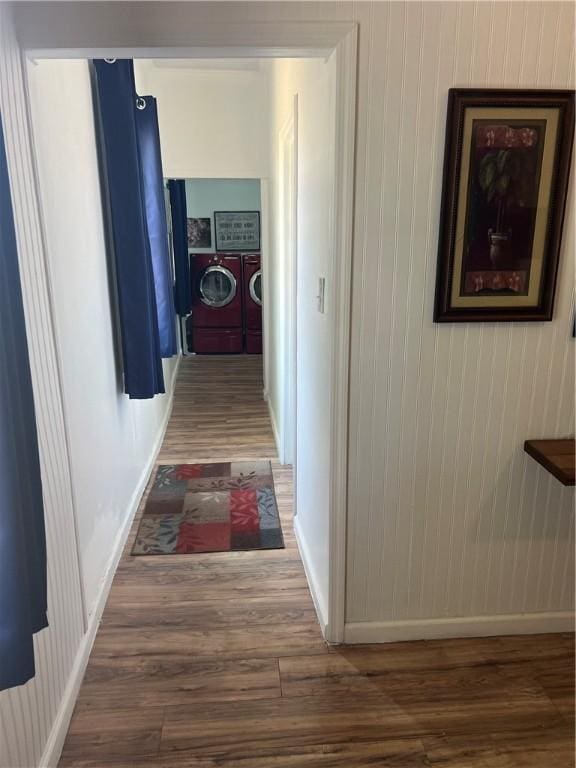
55 742
274 424
311 578
172 385
474 626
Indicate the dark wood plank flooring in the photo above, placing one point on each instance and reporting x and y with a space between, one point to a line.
217 660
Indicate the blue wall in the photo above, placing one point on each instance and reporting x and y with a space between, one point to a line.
204 196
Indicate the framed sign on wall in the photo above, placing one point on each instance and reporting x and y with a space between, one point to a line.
506 167
237 230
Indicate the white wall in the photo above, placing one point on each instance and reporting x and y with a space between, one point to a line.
313 81
111 438
84 424
213 119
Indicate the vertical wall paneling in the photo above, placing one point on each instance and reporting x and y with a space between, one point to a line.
27 713
447 516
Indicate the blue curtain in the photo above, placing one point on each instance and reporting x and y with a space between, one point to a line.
177 189
153 188
115 111
22 535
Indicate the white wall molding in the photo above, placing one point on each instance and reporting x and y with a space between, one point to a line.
341 295
59 730
315 591
470 626
49 30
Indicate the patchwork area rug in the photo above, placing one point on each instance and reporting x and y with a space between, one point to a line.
210 508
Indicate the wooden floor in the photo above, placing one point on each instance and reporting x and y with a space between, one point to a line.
217 659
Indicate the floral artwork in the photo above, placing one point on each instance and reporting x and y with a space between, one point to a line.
506 172
506 162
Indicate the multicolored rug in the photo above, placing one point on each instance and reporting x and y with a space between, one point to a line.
210 508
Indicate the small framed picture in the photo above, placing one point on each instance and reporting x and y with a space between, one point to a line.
506 167
237 230
199 233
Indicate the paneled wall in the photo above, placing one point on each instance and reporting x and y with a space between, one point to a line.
448 516
27 713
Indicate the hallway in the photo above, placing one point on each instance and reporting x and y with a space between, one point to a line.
196 630
217 659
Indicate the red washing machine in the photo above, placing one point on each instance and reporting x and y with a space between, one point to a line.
253 303
216 321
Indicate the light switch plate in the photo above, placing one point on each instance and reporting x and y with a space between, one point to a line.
321 291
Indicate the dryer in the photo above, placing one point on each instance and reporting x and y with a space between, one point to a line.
216 322
252 285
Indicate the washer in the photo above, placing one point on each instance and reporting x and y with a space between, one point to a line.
252 271
216 323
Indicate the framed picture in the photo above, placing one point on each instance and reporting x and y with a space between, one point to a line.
237 230
199 233
506 167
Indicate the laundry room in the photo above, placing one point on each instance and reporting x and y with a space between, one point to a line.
224 246
213 131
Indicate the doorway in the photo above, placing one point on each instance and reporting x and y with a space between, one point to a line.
225 274
326 576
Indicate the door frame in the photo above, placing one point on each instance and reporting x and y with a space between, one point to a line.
99 30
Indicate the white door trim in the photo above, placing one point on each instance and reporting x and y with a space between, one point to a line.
341 296
92 30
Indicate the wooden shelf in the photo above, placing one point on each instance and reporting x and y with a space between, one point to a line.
557 456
